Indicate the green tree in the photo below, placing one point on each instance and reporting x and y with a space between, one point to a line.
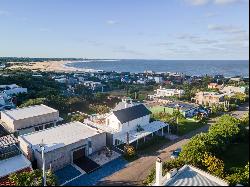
32 178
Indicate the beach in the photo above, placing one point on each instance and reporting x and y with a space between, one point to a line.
48 66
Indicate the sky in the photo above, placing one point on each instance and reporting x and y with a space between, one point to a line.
125 29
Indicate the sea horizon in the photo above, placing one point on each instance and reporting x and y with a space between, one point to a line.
190 67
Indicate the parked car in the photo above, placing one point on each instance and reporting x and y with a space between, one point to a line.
175 153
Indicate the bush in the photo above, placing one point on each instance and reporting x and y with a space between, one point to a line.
239 176
214 165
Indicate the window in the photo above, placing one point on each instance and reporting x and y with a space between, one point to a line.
49 125
38 128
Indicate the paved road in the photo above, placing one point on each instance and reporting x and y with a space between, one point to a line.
241 110
135 172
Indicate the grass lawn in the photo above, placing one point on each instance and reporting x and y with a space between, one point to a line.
158 109
152 145
236 155
186 126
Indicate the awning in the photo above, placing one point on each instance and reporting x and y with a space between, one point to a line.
147 130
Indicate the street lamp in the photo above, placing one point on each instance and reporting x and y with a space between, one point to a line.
42 146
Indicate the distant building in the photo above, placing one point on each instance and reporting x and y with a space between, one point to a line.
12 89
186 176
232 89
208 98
11 159
188 110
29 119
163 92
214 86
64 144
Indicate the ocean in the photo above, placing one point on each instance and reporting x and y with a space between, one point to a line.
228 68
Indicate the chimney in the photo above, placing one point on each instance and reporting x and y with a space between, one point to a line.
171 173
158 172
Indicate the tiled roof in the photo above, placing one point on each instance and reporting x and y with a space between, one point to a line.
131 113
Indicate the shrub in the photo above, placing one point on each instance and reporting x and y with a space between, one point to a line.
239 176
214 165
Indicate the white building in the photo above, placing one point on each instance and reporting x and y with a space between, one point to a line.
29 119
63 144
186 176
163 92
232 89
61 80
11 159
12 89
158 79
131 120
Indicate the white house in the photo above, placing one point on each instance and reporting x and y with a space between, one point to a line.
232 89
128 118
163 92
29 119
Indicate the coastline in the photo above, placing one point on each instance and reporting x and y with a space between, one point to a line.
48 66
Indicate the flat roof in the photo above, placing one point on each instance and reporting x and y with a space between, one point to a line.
147 129
28 112
191 176
59 136
13 164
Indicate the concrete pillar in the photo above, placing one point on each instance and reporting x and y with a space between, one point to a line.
158 172
162 132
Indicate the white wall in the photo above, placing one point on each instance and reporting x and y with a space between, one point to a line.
114 123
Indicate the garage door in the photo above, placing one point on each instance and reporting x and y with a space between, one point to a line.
79 153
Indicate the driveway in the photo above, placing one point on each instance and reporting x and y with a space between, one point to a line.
135 172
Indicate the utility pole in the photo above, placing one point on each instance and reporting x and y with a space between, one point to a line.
42 146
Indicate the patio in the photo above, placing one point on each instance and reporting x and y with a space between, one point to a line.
70 176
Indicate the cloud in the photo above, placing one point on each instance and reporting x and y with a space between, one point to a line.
211 14
196 39
215 2
225 28
225 2
198 2
4 13
111 22
163 44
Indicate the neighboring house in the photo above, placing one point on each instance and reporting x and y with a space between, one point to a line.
12 89
5 102
163 92
64 144
188 110
125 103
95 86
232 89
62 80
11 158
29 119
208 98
158 79
214 86
186 176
